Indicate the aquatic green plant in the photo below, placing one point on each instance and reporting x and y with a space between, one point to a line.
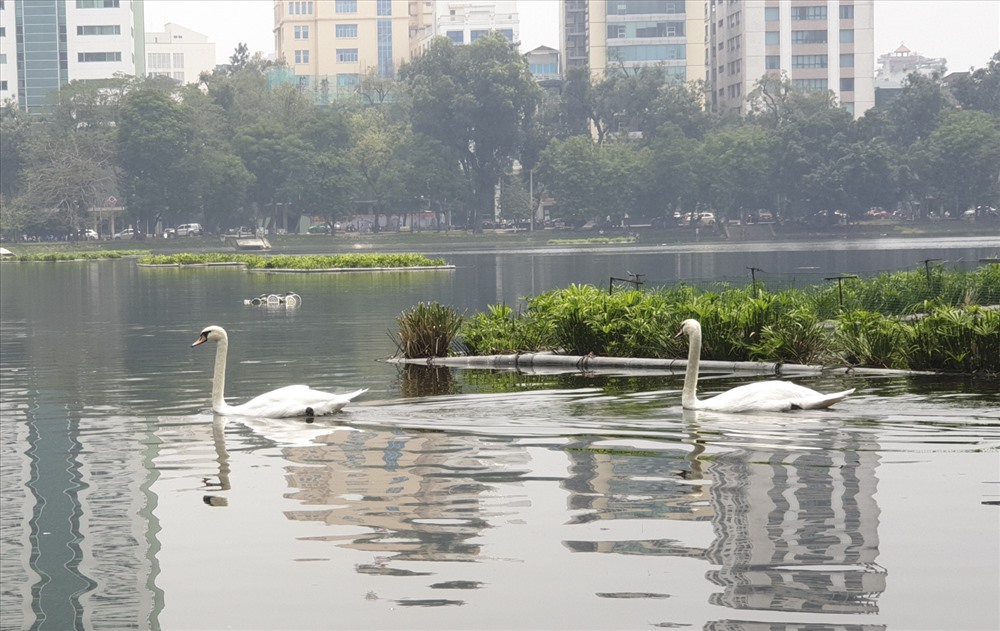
80 256
303 262
427 330
751 324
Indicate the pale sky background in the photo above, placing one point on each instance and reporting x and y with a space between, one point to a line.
965 32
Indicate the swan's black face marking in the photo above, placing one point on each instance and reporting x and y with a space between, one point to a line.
201 339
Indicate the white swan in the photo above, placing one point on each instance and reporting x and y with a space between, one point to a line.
761 396
280 403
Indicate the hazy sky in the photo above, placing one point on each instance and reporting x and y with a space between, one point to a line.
965 32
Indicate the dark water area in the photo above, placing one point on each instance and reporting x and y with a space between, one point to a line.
455 499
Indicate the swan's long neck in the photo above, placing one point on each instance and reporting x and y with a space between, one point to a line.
689 400
219 379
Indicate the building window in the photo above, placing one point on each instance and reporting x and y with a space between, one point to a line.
109 29
300 8
849 107
97 4
477 34
302 32
178 60
345 55
808 37
809 61
157 61
302 56
98 57
808 13
347 80
810 85
508 34
383 8
3 31
383 44
847 85
178 77
772 62
771 38
456 37
648 52
847 12
3 58
3 86
847 60
543 69
347 31
771 14
616 31
632 7
346 6
846 36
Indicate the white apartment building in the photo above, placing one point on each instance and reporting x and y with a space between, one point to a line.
818 44
178 53
47 44
465 22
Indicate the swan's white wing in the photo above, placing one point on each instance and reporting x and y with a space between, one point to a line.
298 400
771 396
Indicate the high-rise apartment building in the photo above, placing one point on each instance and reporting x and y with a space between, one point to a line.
731 44
335 42
602 34
818 44
45 44
178 53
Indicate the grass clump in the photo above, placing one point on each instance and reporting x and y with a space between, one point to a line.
427 330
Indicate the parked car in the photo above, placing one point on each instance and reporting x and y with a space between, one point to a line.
319 228
189 230
127 233
89 234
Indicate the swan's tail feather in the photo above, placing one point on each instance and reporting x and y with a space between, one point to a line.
826 400
356 393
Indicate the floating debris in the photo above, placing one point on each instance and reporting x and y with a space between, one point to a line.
289 299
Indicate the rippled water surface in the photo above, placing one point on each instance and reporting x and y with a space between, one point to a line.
452 499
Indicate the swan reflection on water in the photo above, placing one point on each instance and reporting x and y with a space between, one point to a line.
790 498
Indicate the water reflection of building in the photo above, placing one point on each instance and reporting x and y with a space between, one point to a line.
420 496
797 531
794 530
636 484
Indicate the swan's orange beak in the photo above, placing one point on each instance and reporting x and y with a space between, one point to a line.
201 340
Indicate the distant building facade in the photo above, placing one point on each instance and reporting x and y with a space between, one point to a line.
45 45
818 44
730 44
178 53
334 43
895 67
603 34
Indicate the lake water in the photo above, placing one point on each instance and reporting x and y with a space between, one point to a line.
451 499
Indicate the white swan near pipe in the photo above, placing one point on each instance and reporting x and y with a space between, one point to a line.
760 396
281 403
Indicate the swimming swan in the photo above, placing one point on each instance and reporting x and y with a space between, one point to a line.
280 403
761 396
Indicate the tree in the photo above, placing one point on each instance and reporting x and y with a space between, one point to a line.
478 100
154 142
964 159
591 181
741 175
980 89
